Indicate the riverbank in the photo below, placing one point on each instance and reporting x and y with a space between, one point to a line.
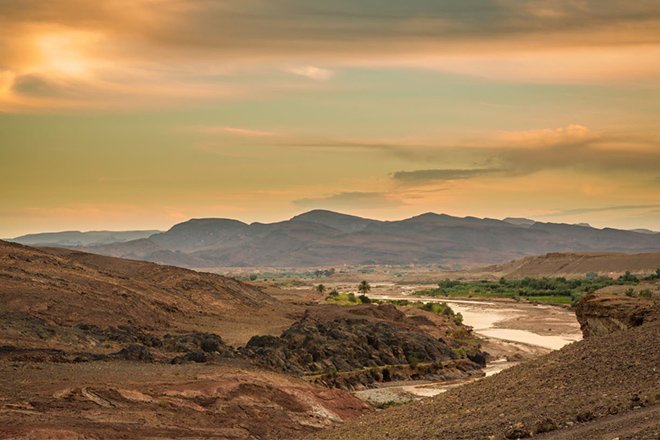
511 332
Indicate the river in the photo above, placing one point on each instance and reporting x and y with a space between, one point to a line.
529 328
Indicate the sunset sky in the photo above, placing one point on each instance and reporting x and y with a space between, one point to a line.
140 114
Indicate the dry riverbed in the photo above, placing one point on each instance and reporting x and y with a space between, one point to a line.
512 332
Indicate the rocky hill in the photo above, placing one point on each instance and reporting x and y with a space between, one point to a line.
325 238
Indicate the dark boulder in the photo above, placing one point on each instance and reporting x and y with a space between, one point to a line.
134 353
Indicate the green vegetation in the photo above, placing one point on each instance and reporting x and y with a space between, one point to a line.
282 275
349 299
553 299
320 289
364 299
645 293
551 290
324 273
342 299
653 277
629 278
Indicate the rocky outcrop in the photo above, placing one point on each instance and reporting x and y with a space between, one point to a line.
347 344
602 314
355 348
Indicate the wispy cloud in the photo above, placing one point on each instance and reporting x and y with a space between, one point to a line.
427 176
508 153
568 212
353 200
237 131
311 72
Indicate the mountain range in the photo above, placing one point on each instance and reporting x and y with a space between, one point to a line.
324 238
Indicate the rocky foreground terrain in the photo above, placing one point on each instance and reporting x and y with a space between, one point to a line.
99 347
96 347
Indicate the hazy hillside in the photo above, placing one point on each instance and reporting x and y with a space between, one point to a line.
325 238
576 264
77 238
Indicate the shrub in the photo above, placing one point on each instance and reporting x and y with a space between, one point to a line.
628 278
253 277
645 293
629 292
413 361
458 319
653 276
364 299
351 297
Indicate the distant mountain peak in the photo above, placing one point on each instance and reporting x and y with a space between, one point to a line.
210 221
316 213
343 222
519 221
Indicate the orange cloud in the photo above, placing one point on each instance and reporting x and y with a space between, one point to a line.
82 54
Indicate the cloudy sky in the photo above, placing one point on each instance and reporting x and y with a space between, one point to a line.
130 114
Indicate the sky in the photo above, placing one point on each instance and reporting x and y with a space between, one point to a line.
141 114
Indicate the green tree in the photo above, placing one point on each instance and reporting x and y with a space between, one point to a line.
320 289
364 287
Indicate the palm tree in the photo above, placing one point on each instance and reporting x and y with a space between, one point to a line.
364 287
320 289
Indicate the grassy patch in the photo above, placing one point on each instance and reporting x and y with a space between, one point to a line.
550 290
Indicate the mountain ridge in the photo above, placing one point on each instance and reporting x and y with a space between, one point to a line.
326 238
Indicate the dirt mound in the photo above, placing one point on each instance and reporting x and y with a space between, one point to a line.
587 388
59 289
576 265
